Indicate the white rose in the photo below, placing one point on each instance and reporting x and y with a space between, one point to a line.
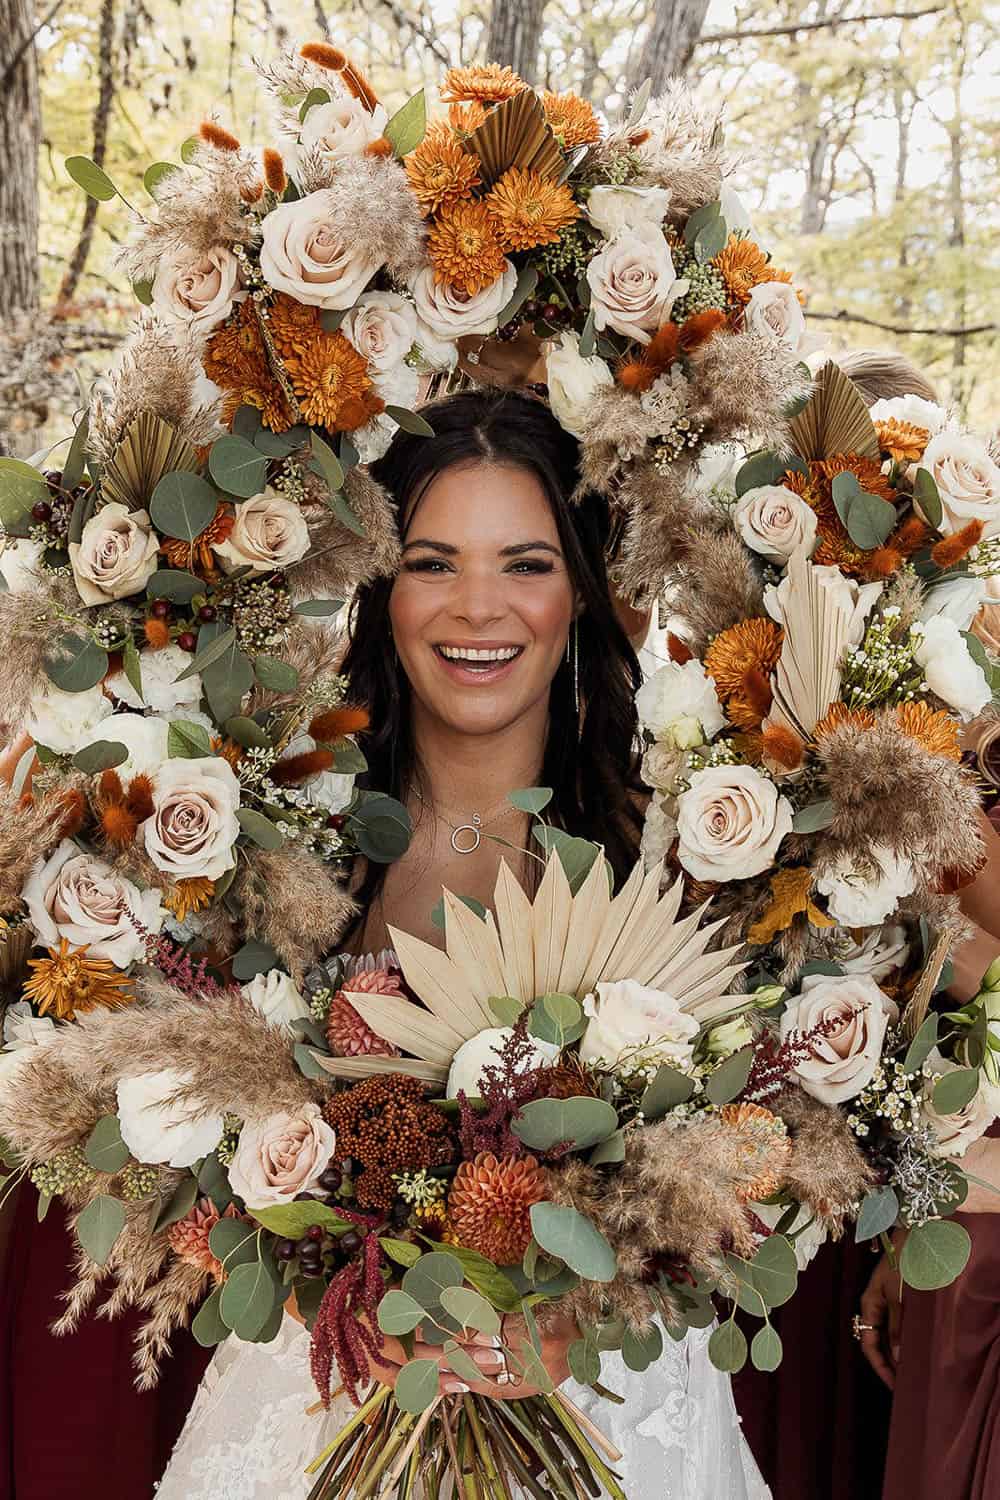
774 522
679 705
193 826
77 897
269 532
968 481
197 290
344 127
957 599
160 689
276 998
281 1157
730 823
854 600
156 1128
857 1015
22 1031
610 208
65 722
956 1133
949 670
307 253
986 625
883 950
774 308
483 1051
330 789
382 327
716 470
633 284
632 1023
862 897
661 765
19 559
912 409
808 1228
115 556
145 739
573 380
448 314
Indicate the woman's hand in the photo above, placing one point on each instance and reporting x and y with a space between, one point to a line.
882 1308
499 1376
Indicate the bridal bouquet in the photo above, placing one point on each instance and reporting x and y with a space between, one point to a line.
565 1112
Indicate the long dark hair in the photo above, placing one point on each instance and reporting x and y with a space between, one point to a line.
590 758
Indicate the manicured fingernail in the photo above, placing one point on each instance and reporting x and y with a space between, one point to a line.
488 1359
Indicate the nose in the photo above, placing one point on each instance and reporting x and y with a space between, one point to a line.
479 600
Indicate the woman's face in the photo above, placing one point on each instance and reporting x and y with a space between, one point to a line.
483 603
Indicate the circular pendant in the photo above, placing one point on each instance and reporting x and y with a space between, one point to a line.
467 847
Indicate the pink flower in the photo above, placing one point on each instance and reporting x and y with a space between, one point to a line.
347 1033
189 1236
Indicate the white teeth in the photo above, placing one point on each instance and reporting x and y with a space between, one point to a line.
468 653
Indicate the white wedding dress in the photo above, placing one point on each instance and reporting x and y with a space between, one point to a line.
248 1435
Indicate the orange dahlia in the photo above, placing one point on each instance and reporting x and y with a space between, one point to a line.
932 728
347 1033
189 1236
189 896
743 265
903 441
530 210
837 715
489 1206
440 171
197 556
331 380
761 1149
487 83
572 119
749 646
465 118
68 983
464 248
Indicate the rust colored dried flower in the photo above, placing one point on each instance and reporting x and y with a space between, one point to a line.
334 723
440 172
951 549
189 1236
762 1148
252 192
489 83
189 896
839 714
386 1124
530 210
197 556
331 380
214 135
324 55
936 730
571 118
743 265
903 441
274 170
347 1033
750 645
490 1203
68 983
157 633
782 745
292 770
464 248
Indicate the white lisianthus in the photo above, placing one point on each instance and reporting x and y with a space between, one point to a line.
19 560
679 705
730 823
634 1024
157 1128
197 290
912 409
855 600
308 253
145 739
269 531
774 308
573 379
808 1228
160 689
949 669
78 897
342 127
65 722
880 952
611 208
864 897
448 314
383 327
774 522
956 1133
193 827
277 999
483 1051
22 1032
956 599
115 556
633 284
330 789
855 1015
968 481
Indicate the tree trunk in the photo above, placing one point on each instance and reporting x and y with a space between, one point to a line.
102 112
670 43
514 35
20 138
956 237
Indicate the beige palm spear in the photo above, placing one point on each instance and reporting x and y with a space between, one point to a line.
559 943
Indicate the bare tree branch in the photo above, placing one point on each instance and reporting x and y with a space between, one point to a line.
844 315
794 27
411 23
105 98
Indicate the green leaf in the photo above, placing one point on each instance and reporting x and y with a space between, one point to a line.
760 469
410 421
131 665
348 760
560 1023
142 291
383 829
237 467
316 608
292 1220
174 584
925 493
438 917
588 336
531 799
260 830
234 1242
814 817
180 1202
730 1078
711 240
665 1092
329 464
401 1251
314 96
922 1045
248 733
99 1226
76 458
226 677
774 1271
640 99
584 1359
470 1308
275 675
610 1151
44 1204
935 1254
75 663
582 1122
417 1385
870 521
21 487
766 1351
155 173
640 1350
698 220
207 1326
408 125
189 150
495 1285
214 651
399 1313
955 1090
727 1348
507 1010
977 651
879 1212
213 1181
182 505
527 281
574 1239
844 488
105 1150
463 1365
93 179
187 741
248 1299
576 855
102 755
252 959
428 1277
331 318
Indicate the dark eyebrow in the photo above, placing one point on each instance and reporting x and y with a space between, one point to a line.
422 541
522 547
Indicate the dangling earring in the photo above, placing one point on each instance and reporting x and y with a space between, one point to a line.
573 660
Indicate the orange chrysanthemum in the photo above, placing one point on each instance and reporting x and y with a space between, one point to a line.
490 1204
903 441
743 265
867 471
465 118
762 1148
189 896
197 556
292 325
331 380
465 249
236 352
68 983
932 728
837 715
441 173
530 210
751 645
488 83
572 119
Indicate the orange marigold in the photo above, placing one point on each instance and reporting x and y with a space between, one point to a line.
743 265
932 728
465 249
572 119
69 983
488 83
441 173
750 645
903 441
331 380
530 210
490 1203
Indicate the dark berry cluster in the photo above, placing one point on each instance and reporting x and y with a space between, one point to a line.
388 1126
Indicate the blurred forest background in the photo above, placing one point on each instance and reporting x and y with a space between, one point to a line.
868 135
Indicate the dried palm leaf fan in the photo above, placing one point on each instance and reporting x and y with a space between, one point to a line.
817 629
516 134
149 449
16 940
558 943
836 419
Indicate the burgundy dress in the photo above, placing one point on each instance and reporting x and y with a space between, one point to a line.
72 1424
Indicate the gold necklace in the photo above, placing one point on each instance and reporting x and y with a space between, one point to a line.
475 827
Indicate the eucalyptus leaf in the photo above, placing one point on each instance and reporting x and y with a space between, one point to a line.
180 1203
331 318
408 126
383 829
417 1385
667 1089
584 1359
410 421
879 1212
608 1152
844 488
507 1010
814 817
131 666
581 1122
182 505
470 1308
427 1279
463 1365
774 1270
142 291
640 1350
955 1090
571 1236
187 741
101 755
588 336
234 1243
531 799
576 855
213 1181
727 1348
248 733
275 675
711 240
349 760
399 1313
93 179
922 1045
215 649
248 1299
313 97
260 830
697 221
76 459
99 1225
329 464
870 520
317 608
105 1150
156 173
237 467
527 281
75 663
207 1325
174 584
760 469
252 959
765 1350
928 500
21 487
495 1285
935 1254
730 1078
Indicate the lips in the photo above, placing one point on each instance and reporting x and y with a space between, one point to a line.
477 663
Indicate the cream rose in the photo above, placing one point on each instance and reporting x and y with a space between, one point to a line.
610 208
115 556
680 706
730 823
864 897
448 314
573 379
156 1128
19 560
382 327
160 689
949 669
855 601
968 481
344 127
193 827
281 1157
877 955
956 1133
774 308
268 532
855 1015
77 897
276 998
986 625
65 722
483 1051
197 290
307 253
145 739
774 522
632 1023
633 284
